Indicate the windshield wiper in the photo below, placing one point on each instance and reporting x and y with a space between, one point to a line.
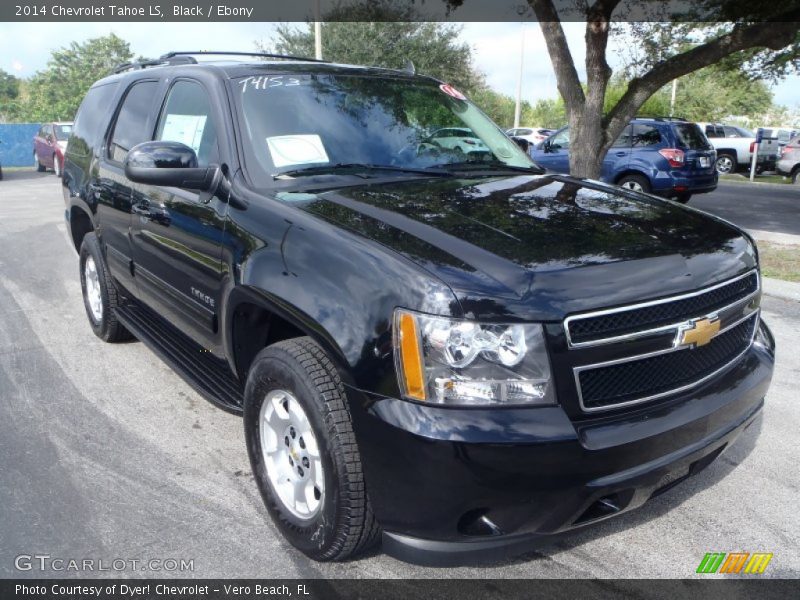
494 165
324 169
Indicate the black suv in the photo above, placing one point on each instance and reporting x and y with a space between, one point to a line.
440 346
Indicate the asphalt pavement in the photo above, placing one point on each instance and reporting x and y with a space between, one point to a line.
107 454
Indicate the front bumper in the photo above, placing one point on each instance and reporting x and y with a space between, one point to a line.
450 486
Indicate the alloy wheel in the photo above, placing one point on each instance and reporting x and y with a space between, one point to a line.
93 293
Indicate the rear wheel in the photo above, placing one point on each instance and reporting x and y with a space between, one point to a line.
796 175
37 163
683 198
100 296
726 163
637 183
303 451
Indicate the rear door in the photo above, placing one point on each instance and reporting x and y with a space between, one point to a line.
618 156
177 233
111 189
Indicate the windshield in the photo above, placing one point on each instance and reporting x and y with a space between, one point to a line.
311 122
62 132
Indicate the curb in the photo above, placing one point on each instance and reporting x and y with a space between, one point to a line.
777 288
774 237
786 186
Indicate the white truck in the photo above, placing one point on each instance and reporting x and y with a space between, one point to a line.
734 146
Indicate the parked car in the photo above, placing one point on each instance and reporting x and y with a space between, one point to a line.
534 135
667 157
460 139
734 146
781 134
1 167
454 356
789 162
49 145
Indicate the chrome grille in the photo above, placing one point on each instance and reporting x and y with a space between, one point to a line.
609 325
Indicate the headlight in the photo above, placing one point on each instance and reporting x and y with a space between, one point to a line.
450 361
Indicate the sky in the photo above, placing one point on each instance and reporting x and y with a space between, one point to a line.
25 48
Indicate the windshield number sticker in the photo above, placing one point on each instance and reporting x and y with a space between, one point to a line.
265 82
451 91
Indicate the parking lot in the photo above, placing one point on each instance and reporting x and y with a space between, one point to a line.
107 454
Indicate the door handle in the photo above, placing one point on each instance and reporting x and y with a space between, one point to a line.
621 153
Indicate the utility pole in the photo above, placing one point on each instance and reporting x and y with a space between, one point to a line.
518 106
317 31
672 100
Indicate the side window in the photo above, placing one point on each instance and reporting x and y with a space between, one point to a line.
130 128
187 119
645 135
92 118
714 132
560 141
624 140
731 132
42 132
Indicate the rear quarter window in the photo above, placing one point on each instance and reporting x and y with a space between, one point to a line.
690 136
92 119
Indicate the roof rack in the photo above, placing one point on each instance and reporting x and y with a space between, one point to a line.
657 118
187 58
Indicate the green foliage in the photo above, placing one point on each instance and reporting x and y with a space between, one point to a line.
55 93
498 107
432 47
9 94
713 93
655 106
550 113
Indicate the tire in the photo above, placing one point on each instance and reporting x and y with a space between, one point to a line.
795 176
38 164
56 166
636 183
1 173
683 198
726 163
97 283
335 521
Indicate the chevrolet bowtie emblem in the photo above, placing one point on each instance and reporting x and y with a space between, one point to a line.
699 332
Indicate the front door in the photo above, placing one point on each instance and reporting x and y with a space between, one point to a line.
554 155
177 233
617 158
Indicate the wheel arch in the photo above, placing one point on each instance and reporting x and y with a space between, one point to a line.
80 223
630 171
254 320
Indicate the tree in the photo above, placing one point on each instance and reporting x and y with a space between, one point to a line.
547 112
381 34
55 93
9 92
762 34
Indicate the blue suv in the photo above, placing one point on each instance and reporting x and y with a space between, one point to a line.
664 156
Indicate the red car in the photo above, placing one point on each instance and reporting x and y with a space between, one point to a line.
49 146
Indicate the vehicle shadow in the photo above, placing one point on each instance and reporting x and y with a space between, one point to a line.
11 174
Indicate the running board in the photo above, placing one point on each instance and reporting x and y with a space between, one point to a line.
209 376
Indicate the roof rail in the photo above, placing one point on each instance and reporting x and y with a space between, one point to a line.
657 118
164 60
187 58
170 55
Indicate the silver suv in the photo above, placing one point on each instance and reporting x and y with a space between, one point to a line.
789 162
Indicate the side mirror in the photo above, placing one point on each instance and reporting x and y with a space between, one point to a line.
522 143
169 164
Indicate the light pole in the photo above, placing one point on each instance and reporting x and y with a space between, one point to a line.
518 106
317 31
672 99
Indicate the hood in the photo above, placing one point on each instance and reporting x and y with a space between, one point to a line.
551 243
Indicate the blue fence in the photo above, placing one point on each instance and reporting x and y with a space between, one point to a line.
16 144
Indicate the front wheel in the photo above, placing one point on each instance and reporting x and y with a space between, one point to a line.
303 452
56 166
725 164
796 176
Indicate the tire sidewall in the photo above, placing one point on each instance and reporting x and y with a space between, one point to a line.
90 247
641 180
312 536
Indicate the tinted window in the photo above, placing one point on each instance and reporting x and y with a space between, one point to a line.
745 132
714 131
524 131
691 137
187 119
624 140
131 126
91 120
645 135
62 131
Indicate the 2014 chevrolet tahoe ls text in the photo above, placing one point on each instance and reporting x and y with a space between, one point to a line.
436 345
